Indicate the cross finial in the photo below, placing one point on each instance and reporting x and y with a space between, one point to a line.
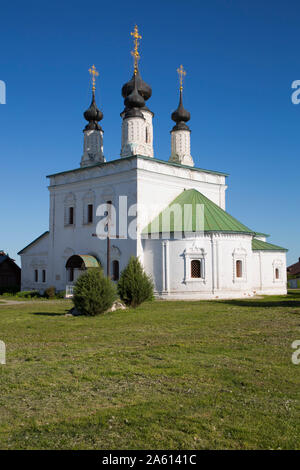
94 74
135 52
182 73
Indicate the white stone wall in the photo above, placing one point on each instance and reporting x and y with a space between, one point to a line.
148 147
169 263
35 257
181 147
263 273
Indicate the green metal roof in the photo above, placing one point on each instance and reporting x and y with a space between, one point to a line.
258 245
82 262
89 261
215 218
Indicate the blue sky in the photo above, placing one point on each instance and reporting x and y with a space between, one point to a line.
241 57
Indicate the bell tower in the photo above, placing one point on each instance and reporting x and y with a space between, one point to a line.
93 132
137 134
181 133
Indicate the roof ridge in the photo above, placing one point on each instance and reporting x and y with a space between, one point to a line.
216 219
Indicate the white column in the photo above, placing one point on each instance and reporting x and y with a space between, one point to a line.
133 137
181 147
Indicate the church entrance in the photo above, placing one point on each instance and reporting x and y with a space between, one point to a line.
75 266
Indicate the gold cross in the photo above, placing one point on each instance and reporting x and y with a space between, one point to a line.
181 72
135 53
94 74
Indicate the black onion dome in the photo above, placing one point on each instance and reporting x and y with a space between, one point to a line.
181 116
134 102
143 88
93 115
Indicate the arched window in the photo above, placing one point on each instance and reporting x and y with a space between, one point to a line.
196 268
239 268
277 273
147 136
115 270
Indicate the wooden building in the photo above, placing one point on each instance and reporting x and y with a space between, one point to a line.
10 274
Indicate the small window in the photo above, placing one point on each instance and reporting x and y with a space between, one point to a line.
116 274
44 275
147 136
36 275
90 213
71 215
239 268
71 274
277 273
196 268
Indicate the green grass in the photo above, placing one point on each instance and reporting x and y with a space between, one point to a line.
175 375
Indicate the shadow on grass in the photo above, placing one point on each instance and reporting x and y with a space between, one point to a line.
50 314
292 299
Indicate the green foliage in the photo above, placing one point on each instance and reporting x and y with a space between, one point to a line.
94 293
28 294
135 286
165 376
61 294
50 292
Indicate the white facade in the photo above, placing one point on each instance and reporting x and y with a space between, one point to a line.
152 184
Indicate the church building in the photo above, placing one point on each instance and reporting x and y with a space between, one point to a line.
168 213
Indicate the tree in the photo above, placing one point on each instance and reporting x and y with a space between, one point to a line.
135 286
93 292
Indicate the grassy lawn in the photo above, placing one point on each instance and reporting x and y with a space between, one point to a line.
174 375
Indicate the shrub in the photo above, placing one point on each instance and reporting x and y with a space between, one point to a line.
28 294
135 286
50 292
61 294
93 292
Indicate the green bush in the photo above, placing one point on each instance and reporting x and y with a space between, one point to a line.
135 286
61 294
50 292
28 294
93 292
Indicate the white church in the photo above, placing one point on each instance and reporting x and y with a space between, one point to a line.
170 214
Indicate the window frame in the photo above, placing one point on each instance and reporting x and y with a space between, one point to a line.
90 213
189 255
71 215
239 254
239 268
113 264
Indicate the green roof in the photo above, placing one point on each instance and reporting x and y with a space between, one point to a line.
215 218
258 245
89 261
